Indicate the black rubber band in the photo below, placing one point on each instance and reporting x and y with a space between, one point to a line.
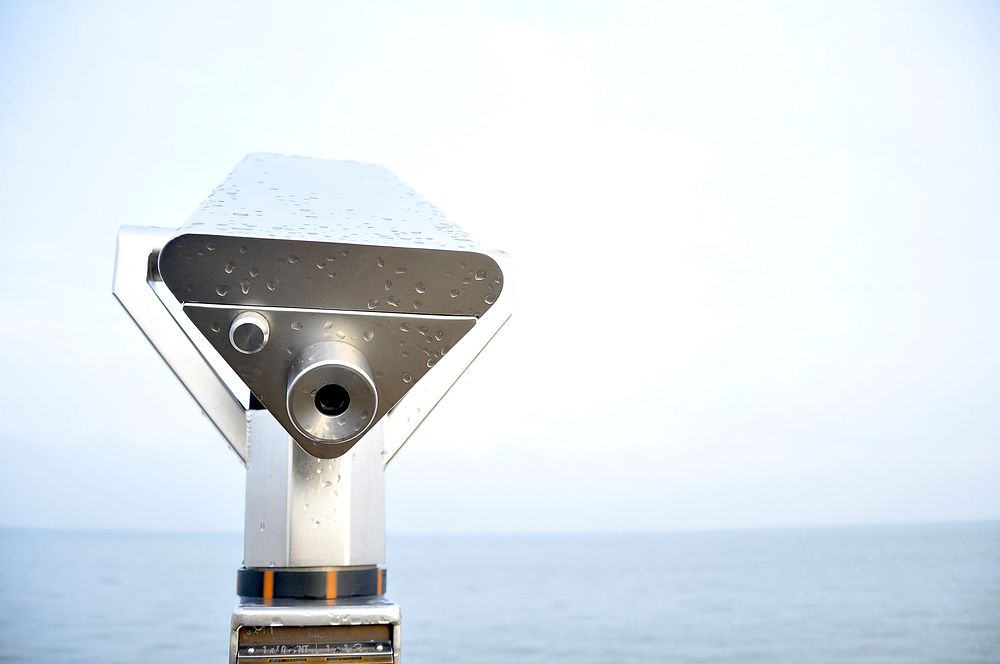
310 584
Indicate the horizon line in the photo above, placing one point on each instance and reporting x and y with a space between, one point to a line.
112 530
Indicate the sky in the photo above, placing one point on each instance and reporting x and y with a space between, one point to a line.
755 249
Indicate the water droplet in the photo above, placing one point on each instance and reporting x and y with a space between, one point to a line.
245 286
328 325
229 267
417 304
297 325
466 281
261 526
243 248
404 327
293 259
388 284
407 377
392 301
210 247
372 303
254 272
380 261
431 361
271 285
491 298
400 270
222 289
216 327
453 292
341 335
368 335
480 275
420 287
439 335
327 484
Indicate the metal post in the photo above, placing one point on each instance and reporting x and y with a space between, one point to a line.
303 511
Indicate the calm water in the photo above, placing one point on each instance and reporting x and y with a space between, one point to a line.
873 594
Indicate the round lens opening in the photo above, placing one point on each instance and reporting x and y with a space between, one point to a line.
332 400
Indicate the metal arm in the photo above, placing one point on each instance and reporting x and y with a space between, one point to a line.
135 260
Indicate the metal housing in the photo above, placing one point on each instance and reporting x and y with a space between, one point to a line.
299 278
380 269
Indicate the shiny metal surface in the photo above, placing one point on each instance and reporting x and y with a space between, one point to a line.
250 271
286 233
304 511
249 332
341 370
288 650
349 306
298 198
420 400
287 197
297 232
400 351
133 278
266 618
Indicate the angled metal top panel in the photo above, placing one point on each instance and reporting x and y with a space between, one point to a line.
297 232
295 198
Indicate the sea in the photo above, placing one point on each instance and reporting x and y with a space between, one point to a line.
879 594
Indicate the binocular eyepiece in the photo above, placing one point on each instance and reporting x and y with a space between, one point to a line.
331 395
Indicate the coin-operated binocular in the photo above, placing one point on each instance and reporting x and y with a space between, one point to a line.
317 311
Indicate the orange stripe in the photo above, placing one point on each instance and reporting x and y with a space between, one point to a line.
381 581
331 584
268 585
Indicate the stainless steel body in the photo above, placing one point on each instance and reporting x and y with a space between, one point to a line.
304 511
317 311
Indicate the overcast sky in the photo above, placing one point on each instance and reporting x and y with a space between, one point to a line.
756 247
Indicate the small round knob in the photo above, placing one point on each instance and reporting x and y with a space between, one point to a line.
249 332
